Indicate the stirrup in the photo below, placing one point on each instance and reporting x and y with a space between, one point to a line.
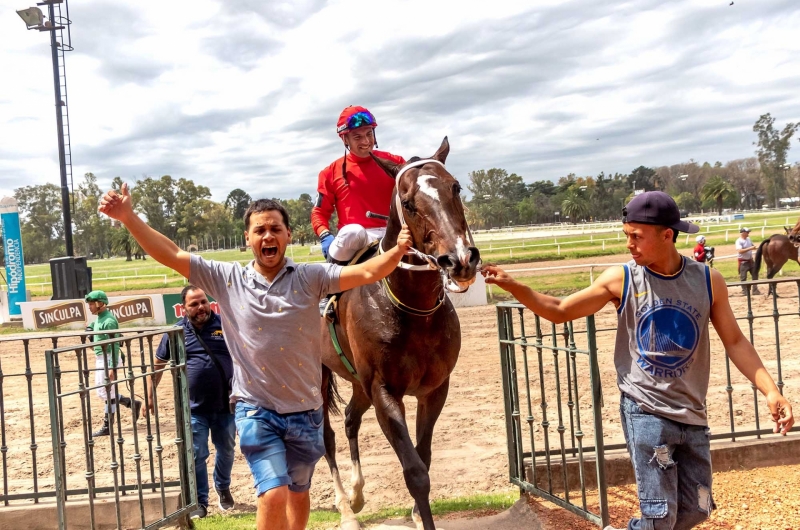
330 308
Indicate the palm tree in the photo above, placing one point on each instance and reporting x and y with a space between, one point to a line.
122 241
718 190
575 205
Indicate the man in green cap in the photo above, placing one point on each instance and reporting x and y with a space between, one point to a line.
106 321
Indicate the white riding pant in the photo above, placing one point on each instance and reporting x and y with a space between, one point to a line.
351 239
99 379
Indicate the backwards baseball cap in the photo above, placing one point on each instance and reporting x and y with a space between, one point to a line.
744 229
97 296
656 208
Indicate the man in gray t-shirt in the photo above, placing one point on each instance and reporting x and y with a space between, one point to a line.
271 327
664 303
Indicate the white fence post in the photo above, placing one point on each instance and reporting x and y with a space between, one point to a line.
726 236
559 250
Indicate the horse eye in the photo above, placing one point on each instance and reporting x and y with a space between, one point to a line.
408 206
456 188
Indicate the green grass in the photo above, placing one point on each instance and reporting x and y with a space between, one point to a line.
324 519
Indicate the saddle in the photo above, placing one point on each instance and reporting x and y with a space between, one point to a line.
331 308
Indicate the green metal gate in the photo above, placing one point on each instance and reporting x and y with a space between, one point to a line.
552 370
157 466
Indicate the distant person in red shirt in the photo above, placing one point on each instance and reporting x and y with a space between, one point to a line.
700 249
353 185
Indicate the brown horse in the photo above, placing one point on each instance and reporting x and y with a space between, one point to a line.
403 335
776 250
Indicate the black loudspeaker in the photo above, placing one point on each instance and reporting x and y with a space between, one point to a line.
71 278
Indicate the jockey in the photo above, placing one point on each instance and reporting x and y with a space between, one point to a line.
700 249
353 185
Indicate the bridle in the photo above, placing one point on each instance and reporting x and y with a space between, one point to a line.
430 261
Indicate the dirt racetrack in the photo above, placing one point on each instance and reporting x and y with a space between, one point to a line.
469 449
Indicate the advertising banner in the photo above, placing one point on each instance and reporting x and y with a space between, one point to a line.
135 310
174 311
15 264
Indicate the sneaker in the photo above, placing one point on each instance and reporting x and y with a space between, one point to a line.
226 501
199 513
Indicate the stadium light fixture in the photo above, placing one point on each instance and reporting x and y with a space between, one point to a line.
33 17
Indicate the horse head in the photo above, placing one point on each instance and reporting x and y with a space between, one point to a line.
794 234
427 198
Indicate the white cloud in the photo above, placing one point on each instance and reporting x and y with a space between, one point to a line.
246 94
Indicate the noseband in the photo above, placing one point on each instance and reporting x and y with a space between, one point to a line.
431 263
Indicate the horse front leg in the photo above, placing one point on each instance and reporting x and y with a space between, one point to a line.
428 410
391 417
354 413
341 501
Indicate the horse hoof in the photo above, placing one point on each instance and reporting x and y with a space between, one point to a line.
350 525
356 503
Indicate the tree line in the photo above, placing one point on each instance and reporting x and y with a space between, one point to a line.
500 199
183 210
178 208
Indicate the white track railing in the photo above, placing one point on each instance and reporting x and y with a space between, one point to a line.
124 279
590 266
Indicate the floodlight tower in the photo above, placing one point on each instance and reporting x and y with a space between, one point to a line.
60 42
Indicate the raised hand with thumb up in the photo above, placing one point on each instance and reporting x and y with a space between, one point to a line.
117 205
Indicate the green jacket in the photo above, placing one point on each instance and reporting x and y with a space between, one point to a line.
106 321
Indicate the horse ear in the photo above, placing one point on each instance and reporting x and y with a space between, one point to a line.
443 151
390 168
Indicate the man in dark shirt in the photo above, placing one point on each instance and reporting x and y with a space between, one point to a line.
209 386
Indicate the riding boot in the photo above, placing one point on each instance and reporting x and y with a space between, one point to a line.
126 402
104 430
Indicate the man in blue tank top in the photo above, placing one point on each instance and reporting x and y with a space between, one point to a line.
664 303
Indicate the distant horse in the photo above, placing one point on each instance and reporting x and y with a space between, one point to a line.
794 234
777 249
402 335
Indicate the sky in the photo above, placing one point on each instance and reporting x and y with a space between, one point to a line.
246 93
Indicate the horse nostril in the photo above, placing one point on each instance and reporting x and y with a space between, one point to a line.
475 256
445 261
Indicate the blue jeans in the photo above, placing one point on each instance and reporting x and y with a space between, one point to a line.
281 449
672 463
223 436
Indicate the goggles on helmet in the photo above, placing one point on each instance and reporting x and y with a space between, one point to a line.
359 119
